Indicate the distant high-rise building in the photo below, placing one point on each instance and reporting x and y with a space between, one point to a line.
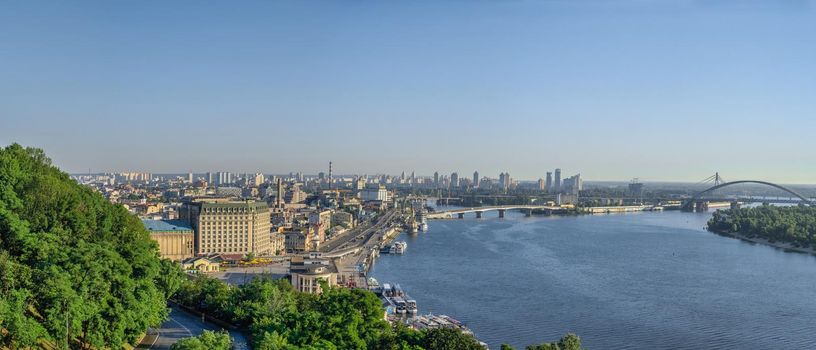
209 178
189 177
330 174
360 183
579 182
475 179
572 185
402 176
548 185
454 180
557 184
436 178
224 178
504 180
636 188
541 185
258 179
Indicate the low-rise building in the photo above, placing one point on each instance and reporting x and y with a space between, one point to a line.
296 242
200 264
343 218
175 238
306 274
295 195
228 191
277 242
319 221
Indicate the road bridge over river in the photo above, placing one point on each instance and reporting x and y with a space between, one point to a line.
460 212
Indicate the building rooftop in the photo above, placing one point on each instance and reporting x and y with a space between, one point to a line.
256 205
166 225
313 267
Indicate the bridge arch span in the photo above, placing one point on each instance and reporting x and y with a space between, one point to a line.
780 187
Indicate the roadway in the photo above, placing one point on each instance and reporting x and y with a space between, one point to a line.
180 325
359 234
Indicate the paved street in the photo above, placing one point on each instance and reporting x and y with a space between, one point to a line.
365 231
181 325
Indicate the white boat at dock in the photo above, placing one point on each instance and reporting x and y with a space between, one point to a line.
372 283
398 248
396 300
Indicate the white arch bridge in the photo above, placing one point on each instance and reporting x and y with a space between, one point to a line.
690 203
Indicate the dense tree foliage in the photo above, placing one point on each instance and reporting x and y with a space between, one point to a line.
208 340
279 318
447 338
568 342
75 270
796 225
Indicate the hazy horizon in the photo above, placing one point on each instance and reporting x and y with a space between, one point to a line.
665 91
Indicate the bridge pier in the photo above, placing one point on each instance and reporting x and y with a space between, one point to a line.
501 213
528 213
736 205
461 215
478 214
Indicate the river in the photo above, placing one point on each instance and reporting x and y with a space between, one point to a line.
620 281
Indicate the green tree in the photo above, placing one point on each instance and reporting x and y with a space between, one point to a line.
97 270
450 339
568 342
170 278
208 340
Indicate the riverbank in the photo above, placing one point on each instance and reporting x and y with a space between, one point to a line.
781 245
629 281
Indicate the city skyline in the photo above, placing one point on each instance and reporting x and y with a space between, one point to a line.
663 91
424 175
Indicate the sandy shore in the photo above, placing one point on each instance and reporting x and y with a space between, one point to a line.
781 245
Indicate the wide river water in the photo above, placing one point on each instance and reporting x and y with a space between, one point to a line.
620 281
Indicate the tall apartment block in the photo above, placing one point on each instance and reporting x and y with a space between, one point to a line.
230 227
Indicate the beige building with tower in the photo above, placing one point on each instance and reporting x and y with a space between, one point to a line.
230 227
175 238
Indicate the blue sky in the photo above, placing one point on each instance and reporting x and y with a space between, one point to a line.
661 90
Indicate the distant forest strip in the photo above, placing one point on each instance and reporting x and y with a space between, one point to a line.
795 225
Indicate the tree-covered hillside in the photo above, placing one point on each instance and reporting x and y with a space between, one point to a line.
75 270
